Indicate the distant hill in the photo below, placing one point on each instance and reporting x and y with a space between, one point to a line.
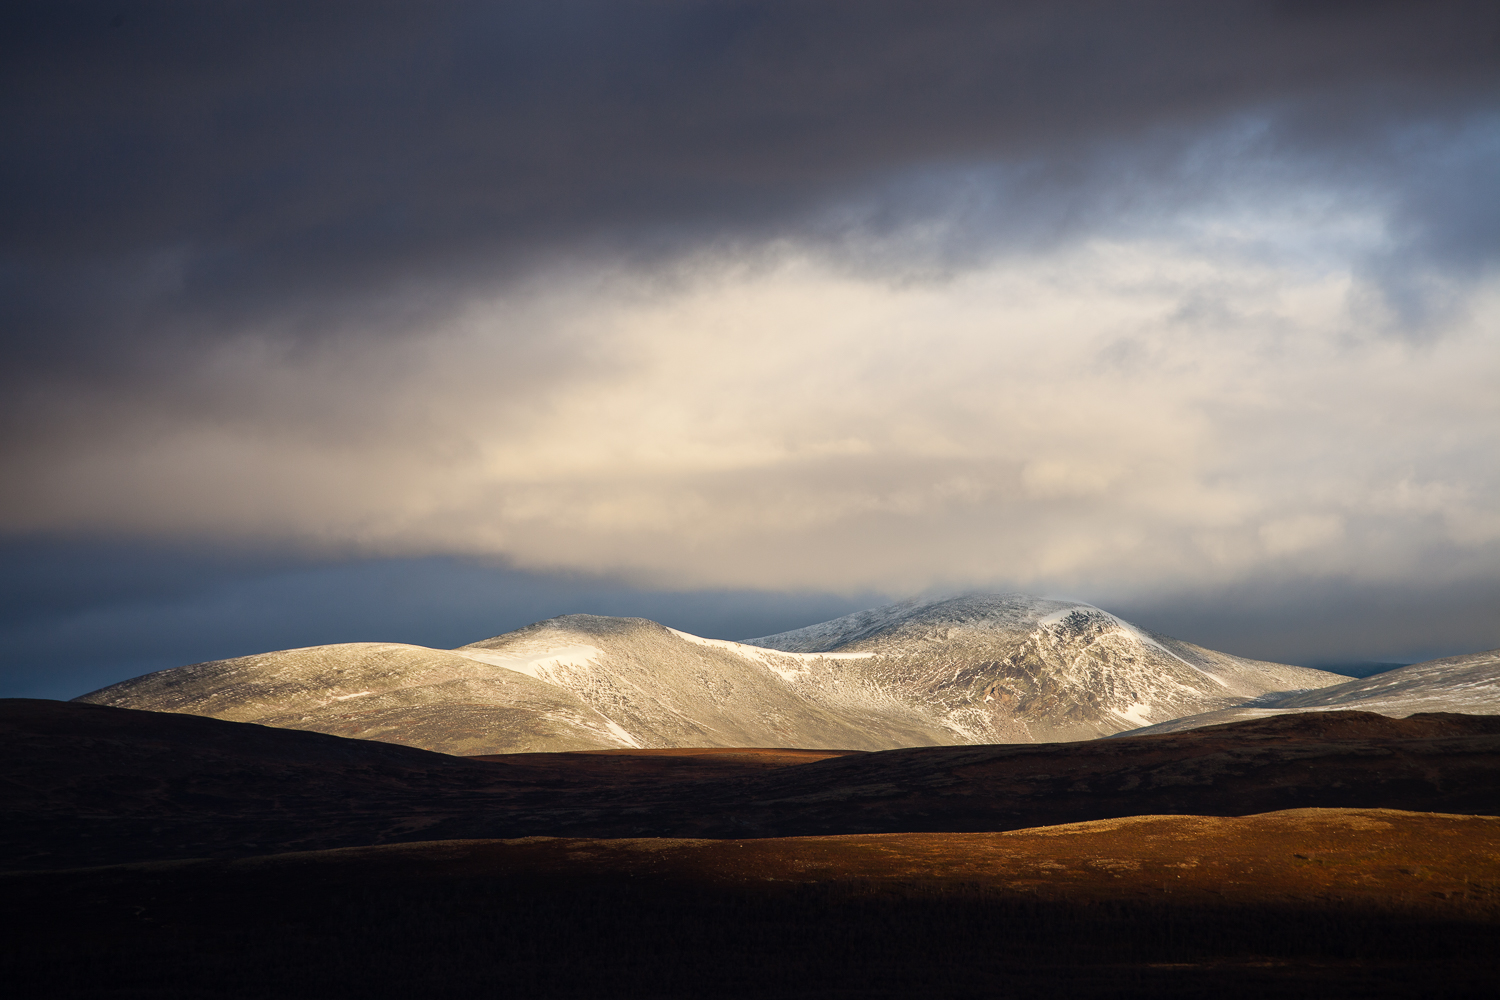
965 670
1464 684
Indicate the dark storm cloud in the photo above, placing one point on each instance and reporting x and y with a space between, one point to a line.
176 171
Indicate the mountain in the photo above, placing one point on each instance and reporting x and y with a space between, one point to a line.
1014 668
1465 684
964 670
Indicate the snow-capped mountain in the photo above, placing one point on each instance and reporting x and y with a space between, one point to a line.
1014 668
1468 684
974 669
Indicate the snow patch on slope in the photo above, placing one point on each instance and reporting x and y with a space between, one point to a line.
543 666
760 652
619 733
787 666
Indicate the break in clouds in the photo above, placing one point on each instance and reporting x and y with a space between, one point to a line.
1066 297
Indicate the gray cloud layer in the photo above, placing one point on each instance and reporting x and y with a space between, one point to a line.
178 170
1084 296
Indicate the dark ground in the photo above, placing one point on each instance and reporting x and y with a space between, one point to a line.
1323 905
89 785
1346 904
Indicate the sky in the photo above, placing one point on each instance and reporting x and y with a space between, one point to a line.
419 322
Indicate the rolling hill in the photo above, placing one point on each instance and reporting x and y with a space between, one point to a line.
93 785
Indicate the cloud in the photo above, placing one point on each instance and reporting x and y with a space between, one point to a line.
1110 415
824 295
187 171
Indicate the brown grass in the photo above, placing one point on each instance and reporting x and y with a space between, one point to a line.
1435 862
1322 903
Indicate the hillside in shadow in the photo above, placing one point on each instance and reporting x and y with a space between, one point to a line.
92 785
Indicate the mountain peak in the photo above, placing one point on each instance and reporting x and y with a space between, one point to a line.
975 611
579 625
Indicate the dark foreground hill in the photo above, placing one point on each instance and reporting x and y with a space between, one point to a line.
683 872
88 784
1307 903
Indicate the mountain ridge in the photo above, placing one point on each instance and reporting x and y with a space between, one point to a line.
1468 683
982 668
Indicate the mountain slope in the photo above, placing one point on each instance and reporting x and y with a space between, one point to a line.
429 698
572 683
669 688
1013 668
975 669
1464 684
